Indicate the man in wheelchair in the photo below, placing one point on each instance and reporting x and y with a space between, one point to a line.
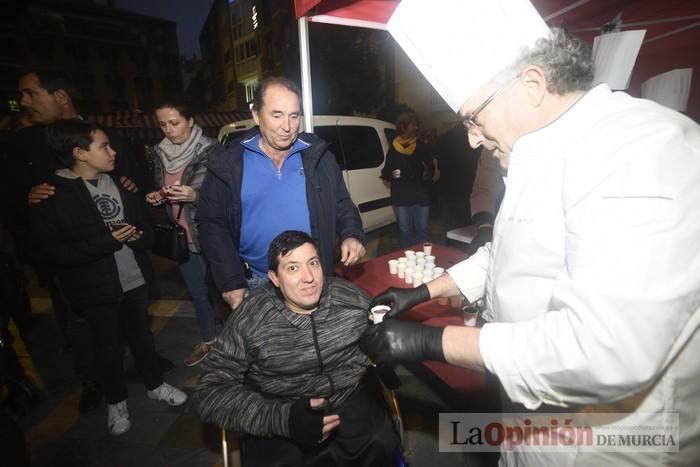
287 373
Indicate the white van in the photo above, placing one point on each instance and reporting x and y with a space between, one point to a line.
360 146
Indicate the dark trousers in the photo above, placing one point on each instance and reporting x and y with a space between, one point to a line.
364 438
111 324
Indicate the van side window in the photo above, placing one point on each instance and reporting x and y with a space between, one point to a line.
330 135
361 147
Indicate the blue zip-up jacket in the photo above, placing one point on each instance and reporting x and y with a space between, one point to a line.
332 213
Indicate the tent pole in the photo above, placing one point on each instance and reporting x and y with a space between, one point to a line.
566 9
306 100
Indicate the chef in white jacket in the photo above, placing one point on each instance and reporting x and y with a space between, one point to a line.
592 281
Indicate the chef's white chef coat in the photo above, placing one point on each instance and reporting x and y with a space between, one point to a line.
592 280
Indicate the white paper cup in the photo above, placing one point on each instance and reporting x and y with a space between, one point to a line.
403 260
409 276
420 262
420 255
427 248
417 279
378 313
429 258
411 263
393 265
437 272
427 275
401 270
410 254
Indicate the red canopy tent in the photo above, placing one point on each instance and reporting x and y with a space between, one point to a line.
671 41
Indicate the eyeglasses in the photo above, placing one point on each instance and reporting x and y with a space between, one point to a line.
469 121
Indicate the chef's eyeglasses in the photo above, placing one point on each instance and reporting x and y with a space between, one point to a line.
469 121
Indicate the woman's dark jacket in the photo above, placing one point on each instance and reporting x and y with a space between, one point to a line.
413 187
69 235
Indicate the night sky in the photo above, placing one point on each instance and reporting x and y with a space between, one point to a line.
188 14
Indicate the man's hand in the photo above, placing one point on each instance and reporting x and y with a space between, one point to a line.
124 234
128 184
308 427
396 341
351 250
41 192
234 297
401 299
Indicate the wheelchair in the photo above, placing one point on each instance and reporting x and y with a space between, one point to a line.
232 449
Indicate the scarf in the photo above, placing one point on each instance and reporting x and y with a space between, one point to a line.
175 156
405 145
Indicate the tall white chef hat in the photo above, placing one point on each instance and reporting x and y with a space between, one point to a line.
459 45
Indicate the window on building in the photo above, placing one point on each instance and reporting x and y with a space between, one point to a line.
236 22
250 88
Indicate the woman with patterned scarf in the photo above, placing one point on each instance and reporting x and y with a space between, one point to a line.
409 168
178 170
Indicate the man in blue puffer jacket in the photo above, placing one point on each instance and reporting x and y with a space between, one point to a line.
271 180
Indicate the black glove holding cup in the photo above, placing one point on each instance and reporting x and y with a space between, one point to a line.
394 341
401 299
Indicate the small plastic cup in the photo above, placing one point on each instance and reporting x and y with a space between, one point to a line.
471 313
420 255
437 272
378 312
429 258
410 254
401 270
411 263
417 278
420 262
409 276
393 266
427 248
427 276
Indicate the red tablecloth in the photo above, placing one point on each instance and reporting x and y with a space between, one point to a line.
373 276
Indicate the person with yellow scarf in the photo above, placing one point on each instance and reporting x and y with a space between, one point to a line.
409 169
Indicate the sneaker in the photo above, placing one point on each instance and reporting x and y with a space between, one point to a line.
198 354
169 394
90 398
118 418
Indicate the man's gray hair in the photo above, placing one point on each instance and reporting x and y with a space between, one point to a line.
567 62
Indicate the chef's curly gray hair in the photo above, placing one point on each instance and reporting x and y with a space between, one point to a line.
566 61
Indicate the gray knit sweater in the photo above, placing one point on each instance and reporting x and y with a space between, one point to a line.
268 356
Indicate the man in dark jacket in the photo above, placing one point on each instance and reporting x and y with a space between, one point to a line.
48 97
304 397
272 180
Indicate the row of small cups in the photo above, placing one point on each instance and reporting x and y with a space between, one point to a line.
414 273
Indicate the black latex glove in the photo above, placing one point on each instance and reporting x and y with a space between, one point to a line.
401 299
305 423
484 227
396 341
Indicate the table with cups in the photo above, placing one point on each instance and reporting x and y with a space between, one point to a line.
410 268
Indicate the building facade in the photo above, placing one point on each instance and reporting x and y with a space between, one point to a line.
119 60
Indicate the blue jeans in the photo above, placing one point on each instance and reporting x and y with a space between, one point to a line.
413 224
193 273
